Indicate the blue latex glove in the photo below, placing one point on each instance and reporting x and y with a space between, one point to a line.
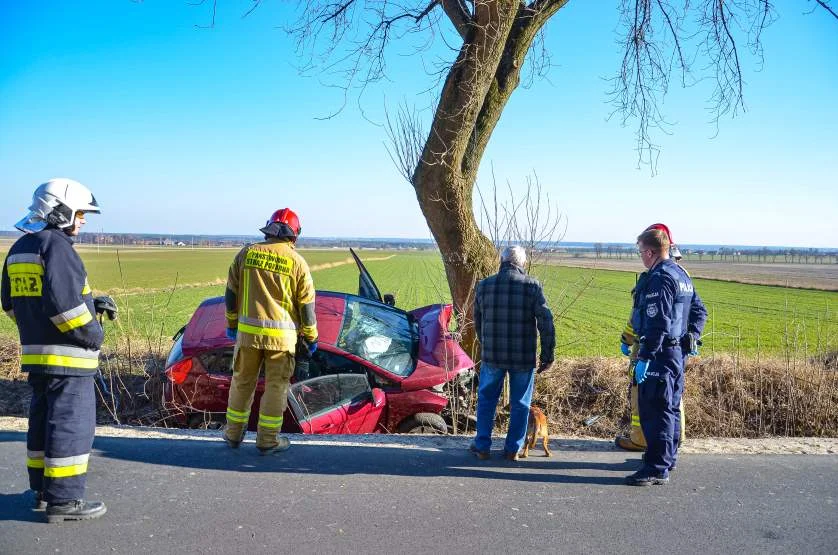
625 349
312 347
231 333
640 371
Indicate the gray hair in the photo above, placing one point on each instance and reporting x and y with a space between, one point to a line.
515 254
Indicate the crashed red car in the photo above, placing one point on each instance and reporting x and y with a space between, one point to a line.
377 368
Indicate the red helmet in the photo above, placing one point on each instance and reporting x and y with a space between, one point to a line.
283 223
674 252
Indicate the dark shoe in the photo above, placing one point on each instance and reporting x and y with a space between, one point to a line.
282 445
511 457
232 443
39 503
481 455
75 510
644 477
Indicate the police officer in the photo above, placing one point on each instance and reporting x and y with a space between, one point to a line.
661 319
270 303
45 290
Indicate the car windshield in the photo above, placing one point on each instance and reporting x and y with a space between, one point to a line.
381 335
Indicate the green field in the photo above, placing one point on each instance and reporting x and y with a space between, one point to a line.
158 289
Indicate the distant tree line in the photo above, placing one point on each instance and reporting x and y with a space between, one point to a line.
724 254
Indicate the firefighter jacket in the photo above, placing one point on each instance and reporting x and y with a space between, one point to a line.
45 290
270 296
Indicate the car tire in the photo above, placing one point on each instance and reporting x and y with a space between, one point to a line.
424 423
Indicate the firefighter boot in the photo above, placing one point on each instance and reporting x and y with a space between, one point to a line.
635 441
75 510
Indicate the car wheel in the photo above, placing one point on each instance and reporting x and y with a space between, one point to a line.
424 423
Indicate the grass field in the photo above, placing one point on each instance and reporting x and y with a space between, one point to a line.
158 289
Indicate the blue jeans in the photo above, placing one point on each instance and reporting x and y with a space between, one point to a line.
520 396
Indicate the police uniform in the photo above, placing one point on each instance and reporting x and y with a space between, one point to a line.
667 309
45 290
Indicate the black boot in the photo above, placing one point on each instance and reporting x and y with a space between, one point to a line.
39 503
75 510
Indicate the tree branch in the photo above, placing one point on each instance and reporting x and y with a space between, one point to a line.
459 16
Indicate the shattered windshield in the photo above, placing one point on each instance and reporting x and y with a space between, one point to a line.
380 335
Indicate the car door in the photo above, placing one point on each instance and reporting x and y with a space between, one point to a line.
336 404
366 286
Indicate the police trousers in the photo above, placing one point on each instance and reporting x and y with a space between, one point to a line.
658 402
62 422
247 362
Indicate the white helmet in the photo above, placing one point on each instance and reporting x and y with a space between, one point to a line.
56 202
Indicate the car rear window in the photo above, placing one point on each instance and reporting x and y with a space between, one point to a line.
381 335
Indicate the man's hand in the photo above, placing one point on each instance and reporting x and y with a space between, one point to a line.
232 333
625 349
105 305
640 371
544 367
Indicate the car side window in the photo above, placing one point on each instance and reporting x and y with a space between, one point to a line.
324 363
325 393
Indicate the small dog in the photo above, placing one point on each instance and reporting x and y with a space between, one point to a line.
536 428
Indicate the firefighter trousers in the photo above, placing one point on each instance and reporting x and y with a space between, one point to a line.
279 367
62 422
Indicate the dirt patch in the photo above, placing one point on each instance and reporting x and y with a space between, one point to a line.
800 276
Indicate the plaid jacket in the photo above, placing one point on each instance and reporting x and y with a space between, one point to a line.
508 310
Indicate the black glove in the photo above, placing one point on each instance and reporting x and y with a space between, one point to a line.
544 366
304 349
690 344
105 305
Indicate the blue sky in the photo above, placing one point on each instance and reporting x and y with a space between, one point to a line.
178 129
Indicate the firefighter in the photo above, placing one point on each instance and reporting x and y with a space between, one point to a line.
270 302
629 345
661 319
45 291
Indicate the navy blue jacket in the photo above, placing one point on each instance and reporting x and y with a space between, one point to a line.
666 308
509 308
45 290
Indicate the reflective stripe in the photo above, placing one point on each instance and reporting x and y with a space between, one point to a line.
73 318
237 416
635 420
64 467
270 422
270 332
86 289
66 350
231 315
24 268
276 324
58 360
34 459
29 258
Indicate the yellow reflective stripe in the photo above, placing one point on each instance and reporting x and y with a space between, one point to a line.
65 471
60 360
270 332
34 462
270 422
231 315
76 322
25 268
86 289
635 420
237 416
309 331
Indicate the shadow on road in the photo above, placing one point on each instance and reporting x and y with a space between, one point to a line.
305 458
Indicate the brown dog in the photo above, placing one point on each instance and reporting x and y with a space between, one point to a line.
536 428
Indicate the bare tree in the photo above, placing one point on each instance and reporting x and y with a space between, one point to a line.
490 41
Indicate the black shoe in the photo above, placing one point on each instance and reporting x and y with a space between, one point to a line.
75 510
645 478
481 455
39 503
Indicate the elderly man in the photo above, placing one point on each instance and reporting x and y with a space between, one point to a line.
510 312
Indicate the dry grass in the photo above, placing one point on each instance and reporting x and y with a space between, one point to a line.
725 396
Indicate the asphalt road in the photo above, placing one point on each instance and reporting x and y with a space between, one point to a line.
187 496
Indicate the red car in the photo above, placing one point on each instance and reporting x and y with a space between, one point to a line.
377 368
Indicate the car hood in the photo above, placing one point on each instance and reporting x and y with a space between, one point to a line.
441 358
